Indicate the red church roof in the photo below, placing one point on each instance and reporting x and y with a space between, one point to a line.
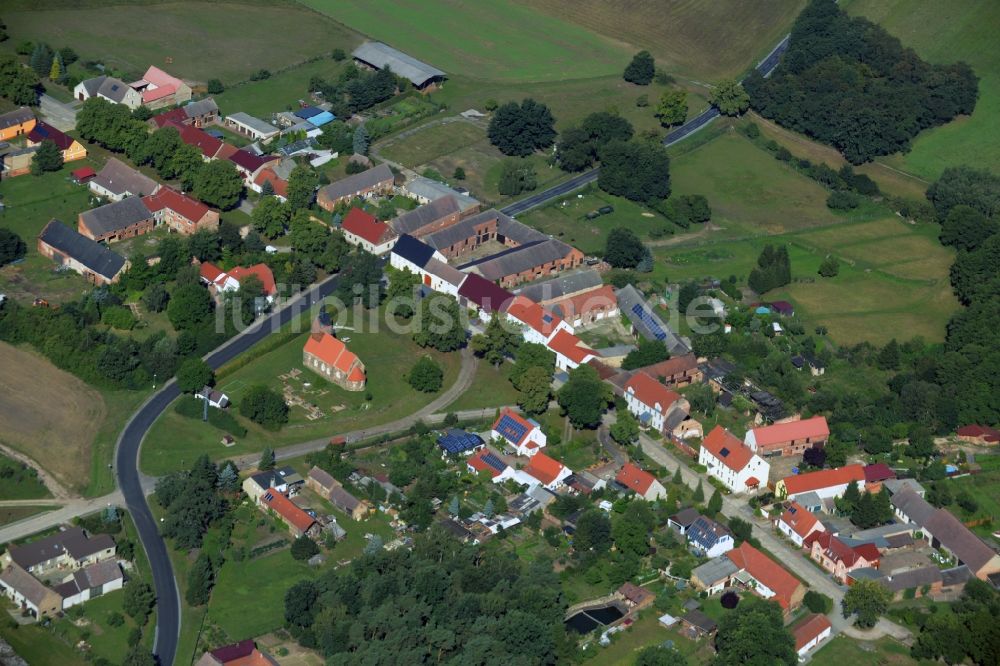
331 351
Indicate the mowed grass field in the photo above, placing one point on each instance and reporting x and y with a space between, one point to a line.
944 32
204 39
499 40
48 414
706 40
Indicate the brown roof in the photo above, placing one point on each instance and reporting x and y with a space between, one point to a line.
322 477
672 366
27 585
809 628
635 594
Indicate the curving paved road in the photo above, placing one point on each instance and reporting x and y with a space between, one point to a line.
765 67
130 482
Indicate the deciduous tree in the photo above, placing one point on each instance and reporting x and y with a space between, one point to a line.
672 108
641 69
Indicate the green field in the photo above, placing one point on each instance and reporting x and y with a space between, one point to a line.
278 93
943 32
426 144
499 40
12 514
491 387
175 441
19 482
202 40
842 650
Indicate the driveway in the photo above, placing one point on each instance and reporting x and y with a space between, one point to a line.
59 115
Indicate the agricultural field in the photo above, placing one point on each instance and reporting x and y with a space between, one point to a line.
705 40
175 441
943 33
278 93
501 40
195 41
49 415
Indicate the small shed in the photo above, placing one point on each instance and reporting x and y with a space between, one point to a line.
84 175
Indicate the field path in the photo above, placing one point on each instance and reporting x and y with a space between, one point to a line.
58 490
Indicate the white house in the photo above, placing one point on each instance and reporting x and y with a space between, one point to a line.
365 231
90 583
809 632
571 352
410 254
641 482
797 523
824 483
216 399
708 538
543 471
538 325
732 462
114 90
523 435
649 400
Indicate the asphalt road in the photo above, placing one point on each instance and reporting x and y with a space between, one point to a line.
168 619
765 67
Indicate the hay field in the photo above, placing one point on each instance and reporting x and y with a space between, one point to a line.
48 415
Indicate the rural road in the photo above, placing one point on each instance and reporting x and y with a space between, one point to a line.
789 557
765 67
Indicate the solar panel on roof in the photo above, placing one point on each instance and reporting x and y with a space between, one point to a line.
724 452
511 430
647 319
493 461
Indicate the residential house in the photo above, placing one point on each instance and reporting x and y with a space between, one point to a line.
430 217
216 399
809 632
159 89
837 557
457 442
650 401
484 297
766 578
70 148
90 582
491 463
571 352
876 475
714 576
116 180
545 471
896 485
439 276
696 624
220 281
826 483
201 113
69 249
523 435
250 165
797 523
298 521
683 519
244 653
365 185
320 481
116 221
114 90
731 462
28 593
376 55
364 231
426 190
635 596
180 212
527 262
646 323
676 372
561 287
538 324
284 480
70 549
249 126
16 123
790 438
641 482
412 255
979 434
589 308
17 162
329 357
270 174
708 538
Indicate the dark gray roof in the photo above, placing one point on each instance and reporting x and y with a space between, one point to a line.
628 299
896 485
201 107
254 123
72 541
957 538
418 218
107 86
116 216
913 578
685 516
430 189
119 178
15 117
89 578
91 254
715 570
519 259
563 285
913 506
413 250
955 575
382 55
447 273
27 585
700 620
343 500
358 182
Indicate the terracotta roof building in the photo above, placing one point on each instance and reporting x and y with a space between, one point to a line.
790 438
650 401
809 632
299 522
329 357
363 230
546 471
838 557
677 372
180 212
732 462
641 482
825 482
771 580
979 434
796 523
523 435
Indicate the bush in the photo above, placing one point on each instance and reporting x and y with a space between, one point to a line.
830 267
303 548
215 87
730 600
817 602
751 130
192 408
118 316
426 375
264 406
841 200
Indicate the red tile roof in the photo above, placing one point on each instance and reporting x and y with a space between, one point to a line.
290 513
517 418
571 347
809 628
84 173
652 393
767 571
181 204
280 185
838 551
365 226
331 351
727 447
533 315
261 271
800 520
543 468
209 271
824 478
980 432
476 462
200 139
780 433
631 476
672 366
602 298
878 472
45 132
172 116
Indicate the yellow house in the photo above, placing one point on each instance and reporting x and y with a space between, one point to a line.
70 147
16 123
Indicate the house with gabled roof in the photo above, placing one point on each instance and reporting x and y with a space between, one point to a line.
180 212
70 148
587 308
411 254
159 89
839 558
426 219
826 483
244 653
789 438
220 281
116 221
809 632
28 593
458 442
298 521
329 357
16 123
68 549
90 582
538 324
765 577
376 55
650 401
641 482
732 462
677 371
979 434
365 231
365 185
708 538
250 126
489 462
116 180
571 352
486 298
71 249
522 435
544 471
110 88
797 523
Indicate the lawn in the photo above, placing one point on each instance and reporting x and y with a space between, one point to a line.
48 414
842 650
12 514
943 33
41 647
499 40
984 488
175 441
193 40
432 142
491 387
707 40
281 92
20 482
646 631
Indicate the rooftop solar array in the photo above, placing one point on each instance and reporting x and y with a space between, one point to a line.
510 429
648 320
724 452
459 441
493 461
